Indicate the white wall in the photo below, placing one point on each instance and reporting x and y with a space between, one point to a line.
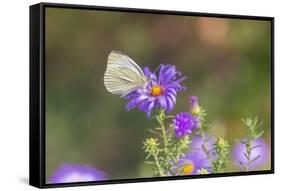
14 39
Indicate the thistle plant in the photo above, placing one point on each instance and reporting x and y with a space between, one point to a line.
221 150
163 156
253 134
150 146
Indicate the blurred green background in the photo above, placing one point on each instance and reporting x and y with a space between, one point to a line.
227 62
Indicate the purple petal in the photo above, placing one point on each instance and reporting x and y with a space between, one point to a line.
130 105
162 102
170 104
68 173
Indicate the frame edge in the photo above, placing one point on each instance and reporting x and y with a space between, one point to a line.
35 130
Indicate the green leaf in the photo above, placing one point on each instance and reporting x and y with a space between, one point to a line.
259 135
255 147
240 162
246 155
149 162
254 159
147 156
153 132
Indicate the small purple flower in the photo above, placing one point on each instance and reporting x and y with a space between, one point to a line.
76 173
196 159
195 108
159 92
193 100
185 123
261 149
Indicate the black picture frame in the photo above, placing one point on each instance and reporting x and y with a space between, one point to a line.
37 94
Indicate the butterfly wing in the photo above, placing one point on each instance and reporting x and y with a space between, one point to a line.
122 74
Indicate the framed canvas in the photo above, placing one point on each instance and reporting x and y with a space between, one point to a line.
121 95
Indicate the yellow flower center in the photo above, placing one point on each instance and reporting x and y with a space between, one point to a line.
156 90
188 169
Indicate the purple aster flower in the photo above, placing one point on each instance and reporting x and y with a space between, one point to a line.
185 123
195 108
159 92
76 173
196 159
261 149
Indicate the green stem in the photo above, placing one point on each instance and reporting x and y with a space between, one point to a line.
158 165
165 141
164 136
205 146
249 145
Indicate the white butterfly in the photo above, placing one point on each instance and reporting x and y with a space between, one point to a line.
123 75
